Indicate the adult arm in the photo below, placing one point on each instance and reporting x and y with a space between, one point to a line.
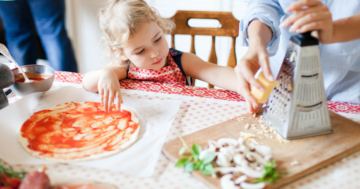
347 29
261 29
317 17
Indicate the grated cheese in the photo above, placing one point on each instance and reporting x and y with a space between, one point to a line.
246 135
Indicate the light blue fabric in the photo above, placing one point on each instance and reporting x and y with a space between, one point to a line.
340 61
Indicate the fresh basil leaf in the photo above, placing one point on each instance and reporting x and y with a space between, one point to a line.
197 165
182 150
207 169
258 180
273 164
270 175
195 156
208 158
189 167
182 162
196 149
268 171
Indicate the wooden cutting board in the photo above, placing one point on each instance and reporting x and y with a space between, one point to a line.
311 153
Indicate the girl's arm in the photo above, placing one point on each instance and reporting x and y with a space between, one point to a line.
105 81
220 76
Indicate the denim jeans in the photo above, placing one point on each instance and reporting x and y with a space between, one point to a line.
19 18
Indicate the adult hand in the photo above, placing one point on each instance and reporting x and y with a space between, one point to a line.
315 17
109 90
256 57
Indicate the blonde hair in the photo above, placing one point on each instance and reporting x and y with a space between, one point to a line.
122 18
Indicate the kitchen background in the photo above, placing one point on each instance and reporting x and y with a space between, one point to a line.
83 29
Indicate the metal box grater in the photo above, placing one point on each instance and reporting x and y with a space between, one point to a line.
298 107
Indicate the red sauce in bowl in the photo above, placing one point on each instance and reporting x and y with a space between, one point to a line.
33 79
19 78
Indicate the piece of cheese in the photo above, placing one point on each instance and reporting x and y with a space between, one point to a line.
260 96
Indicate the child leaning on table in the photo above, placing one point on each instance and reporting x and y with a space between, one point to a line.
134 36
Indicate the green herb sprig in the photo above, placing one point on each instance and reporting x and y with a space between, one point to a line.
9 177
9 172
193 162
270 175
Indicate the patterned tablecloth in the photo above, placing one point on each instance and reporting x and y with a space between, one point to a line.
200 108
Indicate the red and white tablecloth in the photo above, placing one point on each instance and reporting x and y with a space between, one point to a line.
200 108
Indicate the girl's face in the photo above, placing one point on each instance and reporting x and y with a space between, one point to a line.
147 48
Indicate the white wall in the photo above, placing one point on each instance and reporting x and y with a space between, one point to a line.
84 31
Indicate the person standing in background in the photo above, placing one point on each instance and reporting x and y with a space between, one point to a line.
48 16
269 24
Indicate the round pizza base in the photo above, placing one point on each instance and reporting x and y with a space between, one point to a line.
24 143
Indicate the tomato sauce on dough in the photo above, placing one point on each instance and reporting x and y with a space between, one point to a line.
77 130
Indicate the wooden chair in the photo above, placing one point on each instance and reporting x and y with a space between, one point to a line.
229 27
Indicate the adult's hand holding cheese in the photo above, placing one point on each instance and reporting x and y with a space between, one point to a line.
262 96
255 57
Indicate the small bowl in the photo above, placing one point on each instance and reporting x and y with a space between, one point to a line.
24 89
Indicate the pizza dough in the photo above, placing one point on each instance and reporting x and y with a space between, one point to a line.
78 132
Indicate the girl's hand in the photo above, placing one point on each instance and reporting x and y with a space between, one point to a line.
109 89
245 70
316 17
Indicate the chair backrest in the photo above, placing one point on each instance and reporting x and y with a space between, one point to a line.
229 27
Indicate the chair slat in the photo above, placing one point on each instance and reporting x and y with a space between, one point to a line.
212 57
173 41
192 50
229 26
232 57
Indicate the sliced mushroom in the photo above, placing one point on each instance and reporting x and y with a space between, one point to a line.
246 185
240 179
214 143
250 146
226 170
222 160
209 150
259 167
241 140
258 158
228 152
227 183
264 150
250 172
238 158
228 141
242 149
250 158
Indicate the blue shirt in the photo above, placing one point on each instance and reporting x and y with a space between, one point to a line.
340 61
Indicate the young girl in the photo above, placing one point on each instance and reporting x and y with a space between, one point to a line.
134 35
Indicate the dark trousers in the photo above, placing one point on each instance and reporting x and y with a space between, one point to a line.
19 18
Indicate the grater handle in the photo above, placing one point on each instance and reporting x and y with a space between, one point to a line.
304 39
306 34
